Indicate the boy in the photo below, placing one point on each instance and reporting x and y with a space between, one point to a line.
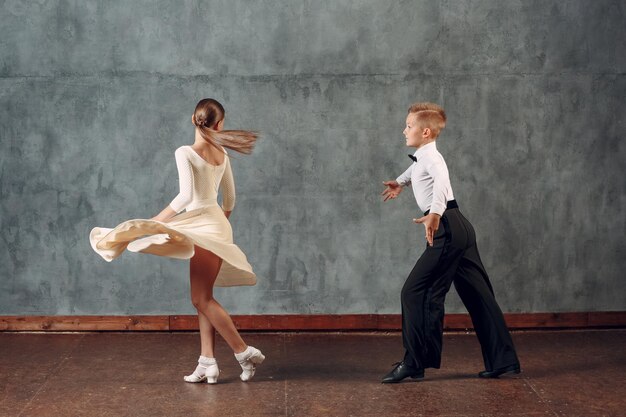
451 255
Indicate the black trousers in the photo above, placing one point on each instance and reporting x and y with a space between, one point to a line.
452 258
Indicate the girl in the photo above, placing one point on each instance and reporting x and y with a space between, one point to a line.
202 233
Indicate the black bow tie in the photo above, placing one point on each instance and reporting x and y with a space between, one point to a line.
413 158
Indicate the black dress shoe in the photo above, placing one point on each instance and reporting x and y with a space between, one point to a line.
401 371
497 372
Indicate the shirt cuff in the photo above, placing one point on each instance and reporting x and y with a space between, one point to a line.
403 183
438 209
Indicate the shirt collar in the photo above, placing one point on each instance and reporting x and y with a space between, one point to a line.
421 151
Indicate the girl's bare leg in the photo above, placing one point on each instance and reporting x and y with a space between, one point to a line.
204 267
207 336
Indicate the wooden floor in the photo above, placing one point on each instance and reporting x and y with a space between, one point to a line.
566 373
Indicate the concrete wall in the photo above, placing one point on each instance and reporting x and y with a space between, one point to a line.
96 95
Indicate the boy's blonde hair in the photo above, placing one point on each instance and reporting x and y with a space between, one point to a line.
429 115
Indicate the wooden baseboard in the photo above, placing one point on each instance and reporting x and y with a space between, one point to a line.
303 322
84 323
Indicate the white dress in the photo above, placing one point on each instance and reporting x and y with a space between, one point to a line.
203 224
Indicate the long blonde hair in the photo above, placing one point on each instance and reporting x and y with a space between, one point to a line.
209 112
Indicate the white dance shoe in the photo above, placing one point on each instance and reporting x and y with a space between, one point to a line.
249 359
206 370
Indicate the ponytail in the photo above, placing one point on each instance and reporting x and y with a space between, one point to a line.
209 112
242 141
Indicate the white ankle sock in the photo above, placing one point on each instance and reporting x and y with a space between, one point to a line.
199 374
206 361
242 356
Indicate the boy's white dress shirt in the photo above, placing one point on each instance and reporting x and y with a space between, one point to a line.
430 179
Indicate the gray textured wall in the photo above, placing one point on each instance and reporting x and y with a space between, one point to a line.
96 95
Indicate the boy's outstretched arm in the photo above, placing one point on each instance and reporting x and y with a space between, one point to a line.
394 188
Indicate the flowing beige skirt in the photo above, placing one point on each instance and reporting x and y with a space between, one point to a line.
206 227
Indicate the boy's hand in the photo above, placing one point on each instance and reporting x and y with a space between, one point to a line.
431 223
393 190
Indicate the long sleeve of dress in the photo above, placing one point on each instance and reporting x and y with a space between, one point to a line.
227 187
185 181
